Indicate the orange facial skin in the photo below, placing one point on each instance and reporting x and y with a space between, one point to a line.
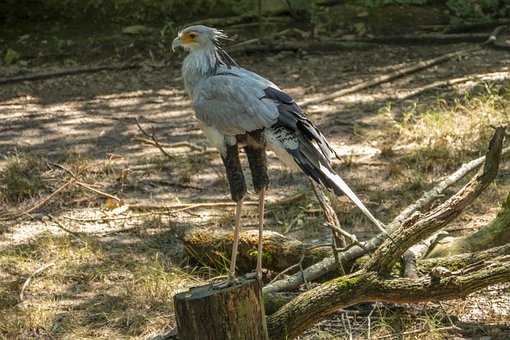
188 38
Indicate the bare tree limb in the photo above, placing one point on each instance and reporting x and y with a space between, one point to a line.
313 305
409 233
328 265
421 65
431 195
81 70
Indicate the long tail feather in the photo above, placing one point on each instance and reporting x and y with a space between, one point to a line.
340 185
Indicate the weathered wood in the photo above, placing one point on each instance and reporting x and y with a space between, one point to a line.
211 246
211 313
414 230
365 286
329 265
496 233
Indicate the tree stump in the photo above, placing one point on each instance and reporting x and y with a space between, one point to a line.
232 313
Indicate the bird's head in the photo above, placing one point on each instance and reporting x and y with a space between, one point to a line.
198 36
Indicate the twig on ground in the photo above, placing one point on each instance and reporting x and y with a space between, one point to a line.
83 184
31 277
210 205
116 218
81 70
421 65
192 146
40 203
61 226
99 192
188 206
153 138
351 237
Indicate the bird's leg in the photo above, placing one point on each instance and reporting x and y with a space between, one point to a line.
261 228
237 187
237 229
256 153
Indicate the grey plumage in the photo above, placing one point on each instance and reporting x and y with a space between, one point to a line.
231 102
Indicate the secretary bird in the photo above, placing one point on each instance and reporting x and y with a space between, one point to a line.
239 108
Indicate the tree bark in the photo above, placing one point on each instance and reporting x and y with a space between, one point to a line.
232 313
497 233
365 286
211 247
413 231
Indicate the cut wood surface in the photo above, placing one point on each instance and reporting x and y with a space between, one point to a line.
212 313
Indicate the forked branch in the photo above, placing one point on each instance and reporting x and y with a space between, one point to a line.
313 305
412 232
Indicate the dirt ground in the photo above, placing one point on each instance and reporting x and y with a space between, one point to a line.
87 122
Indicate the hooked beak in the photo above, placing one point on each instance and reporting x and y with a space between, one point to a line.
176 43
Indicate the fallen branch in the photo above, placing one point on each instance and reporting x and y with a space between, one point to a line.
40 203
211 205
429 38
388 77
81 70
313 305
467 27
154 140
188 206
85 185
328 265
212 246
295 46
436 192
451 82
192 146
31 277
411 232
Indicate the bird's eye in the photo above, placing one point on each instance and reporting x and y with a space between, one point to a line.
192 35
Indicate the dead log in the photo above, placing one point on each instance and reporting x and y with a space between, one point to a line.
414 230
421 264
497 233
315 304
329 265
373 282
212 313
211 247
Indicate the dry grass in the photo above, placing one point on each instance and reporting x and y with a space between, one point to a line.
121 286
95 289
455 129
